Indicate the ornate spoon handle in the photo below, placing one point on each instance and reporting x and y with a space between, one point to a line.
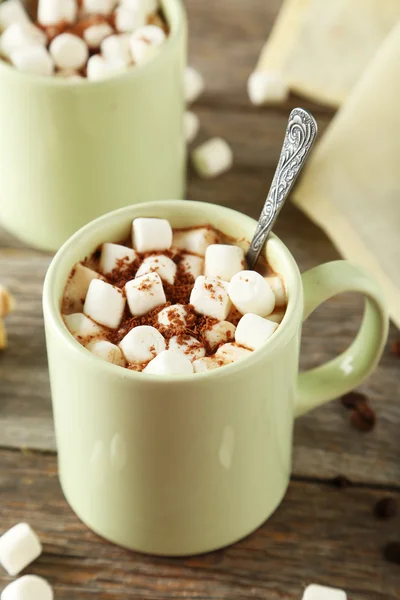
300 135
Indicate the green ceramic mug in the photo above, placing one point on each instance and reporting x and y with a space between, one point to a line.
72 151
185 465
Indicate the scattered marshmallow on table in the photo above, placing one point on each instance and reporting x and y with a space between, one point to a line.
250 292
188 345
209 297
231 352
151 234
253 331
201 365
128 19
278 288
104 303
267 87
115 49
81 326
195 241
144 42
192 264
12 12
161 264
107 351
19 546
212 158
53 12
193 84
33 59
113 255
220 333
28 587
191 125
69 51
77 286
99 7
320 592
142 344
144 293
169 362
96 33
173 316
20 35
223 261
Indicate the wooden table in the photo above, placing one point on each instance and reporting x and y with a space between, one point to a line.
320 533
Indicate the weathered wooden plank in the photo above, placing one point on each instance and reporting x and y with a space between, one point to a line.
318 534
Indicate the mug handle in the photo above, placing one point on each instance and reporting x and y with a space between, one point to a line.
345 372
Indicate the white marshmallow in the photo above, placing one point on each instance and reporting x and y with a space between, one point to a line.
276 317
230 353
107 351
128 19
96 33
145 293
193 84
267 87
195 241
169 362
220 333
99 69
212 158
151 234
202 365
223 261
115 49
145 41
142 344
19 546
69 74
53 12
253 331
11 13
77 286
278 288
104 303
161 264
320 592
98 7
28 587
69 51
81 326
21 35
192 264
191 125
210 297
33 59
189 346
115 255
149 6
251 293
173 316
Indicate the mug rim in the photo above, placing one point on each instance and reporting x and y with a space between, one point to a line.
53 315
60 83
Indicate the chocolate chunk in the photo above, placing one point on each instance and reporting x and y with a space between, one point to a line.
353 399
363 418
341 482
392 552
386 508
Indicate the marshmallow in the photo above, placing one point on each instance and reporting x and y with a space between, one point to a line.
114 255
173 316
277 316
77 286
219 333
97 68
161 264
191 125
149 6
169 362
96 33
53 12
251 293
193 84
223 261
142 344
21 35
128 19
267 87
98 7
195 241
69 51
210 297
104 303
230 353
12 12
115 49
278 288
81 326
188 345
19 546
33 59
107 351
202 365
28 587
69 74
253 331
145 293
212 158
192 264
151 234
144 42
320 592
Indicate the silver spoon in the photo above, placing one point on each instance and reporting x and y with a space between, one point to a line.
300 135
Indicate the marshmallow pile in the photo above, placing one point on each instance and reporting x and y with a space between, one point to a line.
76 39
124 305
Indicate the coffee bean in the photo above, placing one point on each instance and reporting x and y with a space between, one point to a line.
341 482
392 552
363 418
353 399
386 508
